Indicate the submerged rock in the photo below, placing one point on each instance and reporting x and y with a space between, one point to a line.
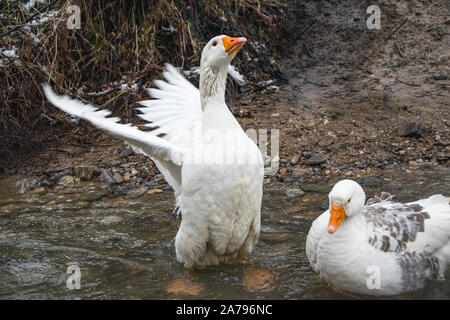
22 186
107 176
294 193
84 173
66 180
137 192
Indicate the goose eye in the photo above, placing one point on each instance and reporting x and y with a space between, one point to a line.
214 43
349 200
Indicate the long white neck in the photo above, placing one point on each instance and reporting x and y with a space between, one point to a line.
212 85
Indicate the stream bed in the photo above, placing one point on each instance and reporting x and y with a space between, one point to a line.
124 248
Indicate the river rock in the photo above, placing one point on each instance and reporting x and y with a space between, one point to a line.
118 178
125 152
127 177
22 186
295 159
325 142
111 219
441 157
156 180
137 192
84 173
40 190
66 180
283 173
107 177
316 159
294 193
412 129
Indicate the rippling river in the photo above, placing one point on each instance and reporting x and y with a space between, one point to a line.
124 248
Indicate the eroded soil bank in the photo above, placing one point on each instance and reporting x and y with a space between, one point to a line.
349 102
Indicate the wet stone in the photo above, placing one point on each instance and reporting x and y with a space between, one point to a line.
66 180
295 159
441 157
22 186
412 129
118 178
107 177
316 159
125 152
137 192
84 173
294 193
156 180
283 173
325 142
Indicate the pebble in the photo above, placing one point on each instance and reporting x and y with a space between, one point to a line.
111 219
126 177
82 172
118 178
107 177
300 172
137 192
412 129
22 186
325 142
156 190
125 152
316 159
40 190
294 193
441 157
66 180
283 173
295 159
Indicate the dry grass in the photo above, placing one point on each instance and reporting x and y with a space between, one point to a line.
118 41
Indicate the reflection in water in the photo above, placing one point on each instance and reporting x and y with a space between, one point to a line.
125 248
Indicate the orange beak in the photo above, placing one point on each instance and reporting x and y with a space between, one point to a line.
233 44
337 215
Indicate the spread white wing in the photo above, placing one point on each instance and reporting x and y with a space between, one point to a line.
165 152
175 109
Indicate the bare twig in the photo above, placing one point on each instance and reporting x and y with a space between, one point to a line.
306 29
26 20
408 83
398 49
397 28
307 50
316 83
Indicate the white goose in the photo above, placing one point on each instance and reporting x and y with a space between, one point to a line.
215 169
383 247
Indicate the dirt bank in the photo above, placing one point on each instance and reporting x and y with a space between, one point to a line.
349 101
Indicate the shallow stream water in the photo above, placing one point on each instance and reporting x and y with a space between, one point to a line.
125 247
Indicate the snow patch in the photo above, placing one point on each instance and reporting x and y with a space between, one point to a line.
30 4
234 73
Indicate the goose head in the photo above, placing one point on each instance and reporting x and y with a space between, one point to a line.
220 50
346 199
216 57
